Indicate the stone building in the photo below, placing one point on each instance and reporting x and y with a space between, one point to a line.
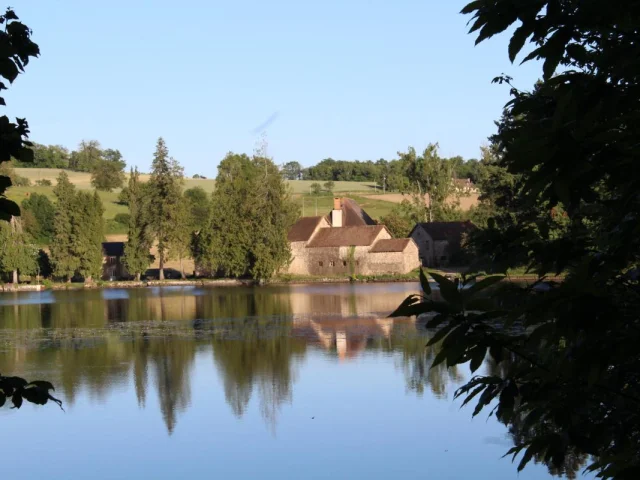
112 266
440 243
348 241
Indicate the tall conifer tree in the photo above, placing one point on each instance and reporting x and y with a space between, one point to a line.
136 251
165 190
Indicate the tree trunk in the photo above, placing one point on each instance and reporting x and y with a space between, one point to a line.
15 276
138 277
182 269
161 269
88 279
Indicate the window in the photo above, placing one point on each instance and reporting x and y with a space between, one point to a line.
332 263
320 264
344 263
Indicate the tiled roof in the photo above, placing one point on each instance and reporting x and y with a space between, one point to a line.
113 249
361 236
353 215
303 229
390 245
451 231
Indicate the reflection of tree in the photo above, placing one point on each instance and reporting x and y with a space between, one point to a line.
417 358
521 432
257 352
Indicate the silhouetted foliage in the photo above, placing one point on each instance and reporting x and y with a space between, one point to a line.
566 155
18 389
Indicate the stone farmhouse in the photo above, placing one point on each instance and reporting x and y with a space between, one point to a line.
348 241
440 243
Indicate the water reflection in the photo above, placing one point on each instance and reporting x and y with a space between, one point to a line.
96 340
257 341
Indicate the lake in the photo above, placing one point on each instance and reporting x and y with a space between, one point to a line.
305 381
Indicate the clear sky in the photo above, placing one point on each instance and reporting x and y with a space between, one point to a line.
347 79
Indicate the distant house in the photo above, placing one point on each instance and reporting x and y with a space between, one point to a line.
465 185
348 241
112 266
440 242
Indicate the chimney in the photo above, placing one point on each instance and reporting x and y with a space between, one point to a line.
336 213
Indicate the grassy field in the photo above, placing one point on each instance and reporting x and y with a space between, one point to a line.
83 180
374 207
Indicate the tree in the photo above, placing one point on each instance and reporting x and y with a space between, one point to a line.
164 190
18 255
316 189
63 259
251 213
430 181
17 50
88 232
47 156
180 236
87 156
38 217
401 220
329 186
199 205
107 174
292 170
136 251
571 145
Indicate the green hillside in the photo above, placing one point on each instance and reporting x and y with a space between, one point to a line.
301 188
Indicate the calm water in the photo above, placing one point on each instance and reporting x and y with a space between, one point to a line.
271 382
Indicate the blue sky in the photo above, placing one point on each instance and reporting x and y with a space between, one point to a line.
350 79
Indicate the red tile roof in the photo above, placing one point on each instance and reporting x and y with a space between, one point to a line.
390 245
353 215
361 236
303 229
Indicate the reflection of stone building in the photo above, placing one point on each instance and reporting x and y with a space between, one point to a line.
348 242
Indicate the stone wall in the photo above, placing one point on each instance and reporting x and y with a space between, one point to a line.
425 246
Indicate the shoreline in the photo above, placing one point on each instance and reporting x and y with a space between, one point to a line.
229 282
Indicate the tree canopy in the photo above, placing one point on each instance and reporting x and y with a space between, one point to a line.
251 213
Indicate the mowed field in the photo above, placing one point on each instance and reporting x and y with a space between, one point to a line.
83 180
466 202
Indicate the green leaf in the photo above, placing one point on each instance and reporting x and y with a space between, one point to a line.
440 334
482 284
437 320
440 357
472 6
42 384
17 400
448 289
475 392
10 208
517 41
5 182
407 302
477 357
424 282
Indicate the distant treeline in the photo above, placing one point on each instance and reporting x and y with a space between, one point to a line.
391 173
88 155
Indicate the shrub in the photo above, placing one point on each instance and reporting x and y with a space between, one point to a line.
44 182
122 218
19 181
